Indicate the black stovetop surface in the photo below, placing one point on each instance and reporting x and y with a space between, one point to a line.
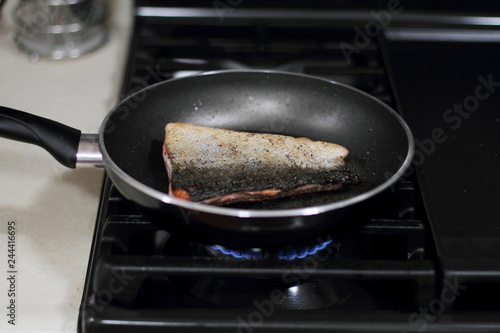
425 262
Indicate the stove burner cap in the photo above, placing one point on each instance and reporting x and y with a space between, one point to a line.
285 254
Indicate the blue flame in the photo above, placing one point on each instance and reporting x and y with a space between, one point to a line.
238 254
302 252
288 254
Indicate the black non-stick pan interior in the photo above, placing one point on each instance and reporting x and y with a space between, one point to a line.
258 102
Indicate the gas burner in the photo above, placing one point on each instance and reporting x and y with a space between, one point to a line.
299 252
290 292
297 290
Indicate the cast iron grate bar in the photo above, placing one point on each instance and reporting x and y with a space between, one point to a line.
177 49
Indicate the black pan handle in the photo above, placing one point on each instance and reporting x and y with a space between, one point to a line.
59 140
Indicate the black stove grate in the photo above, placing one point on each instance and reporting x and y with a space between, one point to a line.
144 274
165 49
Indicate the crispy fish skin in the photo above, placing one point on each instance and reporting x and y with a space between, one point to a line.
218 166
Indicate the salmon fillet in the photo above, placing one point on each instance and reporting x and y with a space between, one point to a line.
220 167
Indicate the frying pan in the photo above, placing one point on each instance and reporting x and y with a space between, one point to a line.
130 140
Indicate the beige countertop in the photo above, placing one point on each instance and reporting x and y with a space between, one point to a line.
54 208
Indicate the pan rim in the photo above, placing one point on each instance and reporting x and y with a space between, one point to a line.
249 213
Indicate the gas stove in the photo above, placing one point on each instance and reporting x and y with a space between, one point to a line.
409 268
